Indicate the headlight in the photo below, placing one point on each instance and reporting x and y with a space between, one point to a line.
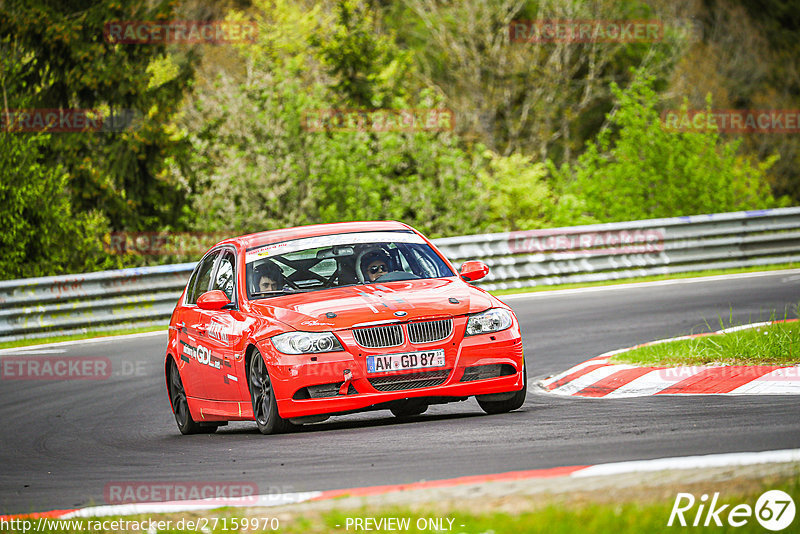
489 321
306 342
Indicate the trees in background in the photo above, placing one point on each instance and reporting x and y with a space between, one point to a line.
638 169
546 134
264 167
55 57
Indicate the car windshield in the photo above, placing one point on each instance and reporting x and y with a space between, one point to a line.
324 262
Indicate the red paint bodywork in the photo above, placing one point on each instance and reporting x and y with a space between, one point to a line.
218 390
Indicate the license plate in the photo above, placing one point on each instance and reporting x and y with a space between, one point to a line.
407 360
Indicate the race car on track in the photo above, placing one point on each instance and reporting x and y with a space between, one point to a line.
290 326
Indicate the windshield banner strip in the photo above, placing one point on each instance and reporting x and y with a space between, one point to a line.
297 245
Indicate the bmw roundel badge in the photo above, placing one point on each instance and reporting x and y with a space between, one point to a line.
400 313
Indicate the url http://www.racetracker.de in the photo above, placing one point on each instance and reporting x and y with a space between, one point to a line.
201 524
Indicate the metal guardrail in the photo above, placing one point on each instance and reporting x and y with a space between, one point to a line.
145 296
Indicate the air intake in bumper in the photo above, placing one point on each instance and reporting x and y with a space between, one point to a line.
424 379
482 372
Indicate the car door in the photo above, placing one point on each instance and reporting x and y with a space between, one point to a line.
191 350
220 332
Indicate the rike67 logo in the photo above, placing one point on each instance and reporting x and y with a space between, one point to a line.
774 510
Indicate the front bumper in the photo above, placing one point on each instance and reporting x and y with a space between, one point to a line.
343 379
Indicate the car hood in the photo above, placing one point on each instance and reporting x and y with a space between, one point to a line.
364 305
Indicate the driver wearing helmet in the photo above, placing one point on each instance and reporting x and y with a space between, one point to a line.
268 277
375 264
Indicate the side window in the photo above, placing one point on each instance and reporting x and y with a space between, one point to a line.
224 279
202 277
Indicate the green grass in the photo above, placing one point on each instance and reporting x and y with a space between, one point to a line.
655 278
776 344
87 335
646 512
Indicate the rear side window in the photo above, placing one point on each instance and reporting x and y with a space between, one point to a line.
201 278
224 279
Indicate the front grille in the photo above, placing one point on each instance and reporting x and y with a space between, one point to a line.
482 372
429 331
378 337
424 379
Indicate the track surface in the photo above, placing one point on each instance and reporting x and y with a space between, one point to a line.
63 441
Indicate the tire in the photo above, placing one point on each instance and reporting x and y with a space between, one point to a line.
409 408
265 407
180 406
507 405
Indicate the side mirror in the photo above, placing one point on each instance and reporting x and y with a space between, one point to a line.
213 300
473 270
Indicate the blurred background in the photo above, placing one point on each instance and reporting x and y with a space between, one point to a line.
214 139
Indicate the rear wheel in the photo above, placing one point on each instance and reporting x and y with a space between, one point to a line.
180 406
512 403
265 407
408 408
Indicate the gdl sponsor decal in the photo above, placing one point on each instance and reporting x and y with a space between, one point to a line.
774 510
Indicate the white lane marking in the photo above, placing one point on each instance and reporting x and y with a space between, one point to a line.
185 506
589 378
655 283
89 340
690 462
783 381
556 378
742 327
22 351
768 387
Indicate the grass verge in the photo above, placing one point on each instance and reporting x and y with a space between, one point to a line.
91 334
631 512
775 344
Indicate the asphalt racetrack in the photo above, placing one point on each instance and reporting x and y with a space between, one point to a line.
64 441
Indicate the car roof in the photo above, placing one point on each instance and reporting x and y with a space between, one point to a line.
298 232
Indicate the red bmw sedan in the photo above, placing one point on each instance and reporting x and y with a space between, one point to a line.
291 326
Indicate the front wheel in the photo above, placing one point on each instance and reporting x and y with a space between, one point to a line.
265 407
507 405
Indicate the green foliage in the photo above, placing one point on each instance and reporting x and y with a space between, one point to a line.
369 71
41 233
264 169
518 196
232 151
120 174
638 169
